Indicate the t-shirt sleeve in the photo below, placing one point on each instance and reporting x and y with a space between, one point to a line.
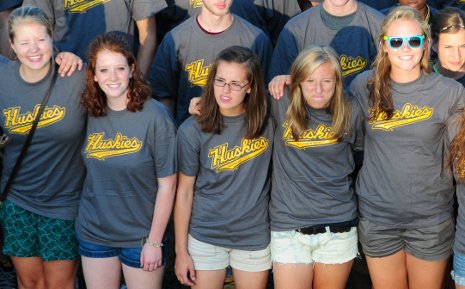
284 53
46 6
166 72
145 8
358 126
188 148
458 102
264 50
165 144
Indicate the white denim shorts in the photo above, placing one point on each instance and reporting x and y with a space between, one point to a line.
292 247
210 257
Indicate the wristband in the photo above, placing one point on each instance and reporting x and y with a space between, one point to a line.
156 245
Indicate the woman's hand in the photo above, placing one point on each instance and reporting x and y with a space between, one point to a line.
68 63
151 258
184 268
277 84
194 106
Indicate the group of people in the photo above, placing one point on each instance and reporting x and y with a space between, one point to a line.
256 182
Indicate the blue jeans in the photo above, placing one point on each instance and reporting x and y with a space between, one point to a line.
458 274
127 256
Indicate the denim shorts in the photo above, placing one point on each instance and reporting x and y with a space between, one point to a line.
210 257
292 247
127 256
458 274
27 234
430 243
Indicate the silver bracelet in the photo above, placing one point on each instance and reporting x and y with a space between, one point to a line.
156 245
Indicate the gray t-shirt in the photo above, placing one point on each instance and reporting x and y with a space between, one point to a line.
356 44
184 58
49 181
311 176
231 194
404 181
124 153
77 23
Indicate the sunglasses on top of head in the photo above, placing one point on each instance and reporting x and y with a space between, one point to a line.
396 42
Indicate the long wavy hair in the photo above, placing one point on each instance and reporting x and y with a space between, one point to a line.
304 65
457 152
380 86
255 102
93 97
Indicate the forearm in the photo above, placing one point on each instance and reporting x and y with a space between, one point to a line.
147 44
163 208
182 212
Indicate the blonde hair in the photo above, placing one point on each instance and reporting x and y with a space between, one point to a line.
28 14
380 85
304 65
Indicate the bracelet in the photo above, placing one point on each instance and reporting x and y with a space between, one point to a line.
156 245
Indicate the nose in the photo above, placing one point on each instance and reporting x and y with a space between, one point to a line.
227 87
457 53
113 74
34 46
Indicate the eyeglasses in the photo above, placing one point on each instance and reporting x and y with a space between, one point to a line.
396 42
232 85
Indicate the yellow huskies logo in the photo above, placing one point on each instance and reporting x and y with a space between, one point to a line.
19 123
196 3
230 159
352 65
100 148
81 6
198 74
408 115
321 136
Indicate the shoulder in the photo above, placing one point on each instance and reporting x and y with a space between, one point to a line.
189 127
241 24
372 14
184 27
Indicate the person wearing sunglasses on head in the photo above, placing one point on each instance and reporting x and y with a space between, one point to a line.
405 189
448 34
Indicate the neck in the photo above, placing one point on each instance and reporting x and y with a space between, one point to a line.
33 75
213 23
347 9
118 103
448 73
401 76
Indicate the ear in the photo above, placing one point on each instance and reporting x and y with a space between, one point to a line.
12 46
434 46
95 78
132 71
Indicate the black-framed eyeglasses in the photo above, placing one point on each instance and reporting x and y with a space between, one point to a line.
396 42
232 85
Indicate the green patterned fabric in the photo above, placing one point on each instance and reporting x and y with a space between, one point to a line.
30 235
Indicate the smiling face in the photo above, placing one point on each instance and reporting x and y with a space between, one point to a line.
318 88
231 102
405 61
33 47
112 73
451 50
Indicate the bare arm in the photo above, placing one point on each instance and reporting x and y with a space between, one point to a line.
184 265
147 43
151 256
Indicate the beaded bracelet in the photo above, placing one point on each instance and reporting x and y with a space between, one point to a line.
156 245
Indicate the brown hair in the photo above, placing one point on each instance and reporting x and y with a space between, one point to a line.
457 151
304 65
93 97
255 102
380 85
447 20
